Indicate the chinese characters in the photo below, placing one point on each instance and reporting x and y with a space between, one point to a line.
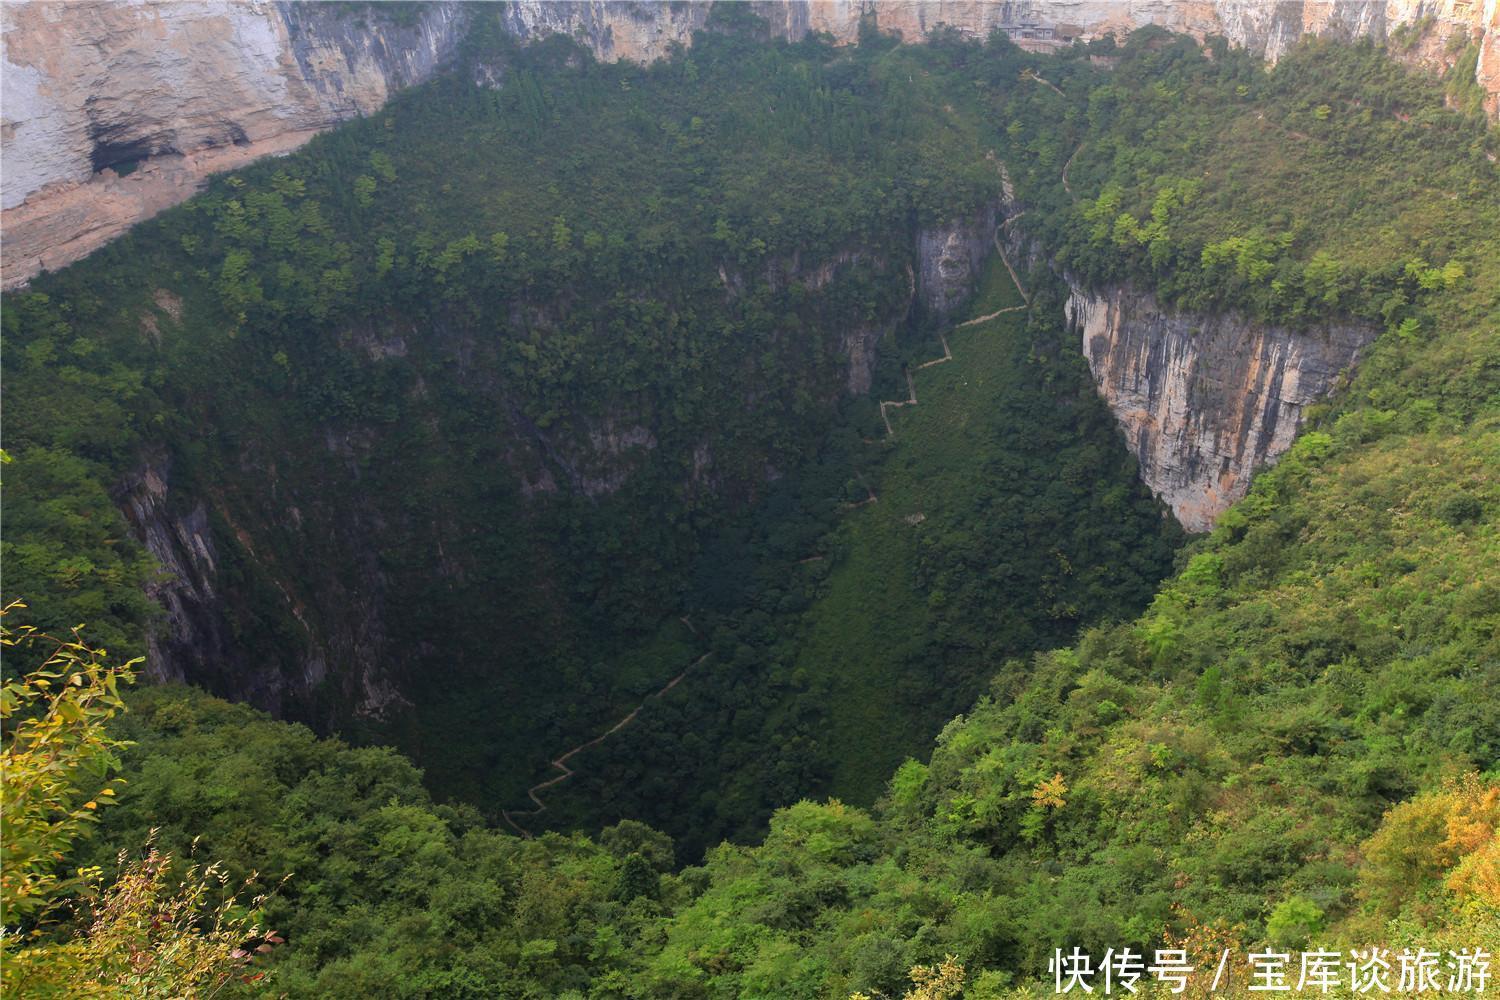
1371 970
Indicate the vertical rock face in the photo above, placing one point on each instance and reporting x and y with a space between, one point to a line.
115 110
1487 72
197 642
638 30
183 547
949 258
1274 26
1205 401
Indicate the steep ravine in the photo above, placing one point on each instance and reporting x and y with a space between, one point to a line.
114 112
294 545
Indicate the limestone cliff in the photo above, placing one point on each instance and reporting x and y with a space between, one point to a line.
1205 400
198 641
114 111
949 258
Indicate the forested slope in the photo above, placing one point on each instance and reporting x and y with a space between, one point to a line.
1297 742
1221 770
580 356
503 355
997 514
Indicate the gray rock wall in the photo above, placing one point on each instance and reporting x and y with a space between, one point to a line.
949 258
115 111
196 641
1204 401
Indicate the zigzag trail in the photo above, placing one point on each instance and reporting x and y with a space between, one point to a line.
1048 83
561 763
911 388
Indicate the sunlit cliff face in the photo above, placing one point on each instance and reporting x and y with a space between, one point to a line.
1205 401
115 111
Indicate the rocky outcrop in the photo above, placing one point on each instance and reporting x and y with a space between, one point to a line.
1266 26
949 258
638 30
114 111
184 549
859 344
1274 26
1204 401
196 641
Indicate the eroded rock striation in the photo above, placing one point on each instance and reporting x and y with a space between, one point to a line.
1204 401
114 111
949 258
198 642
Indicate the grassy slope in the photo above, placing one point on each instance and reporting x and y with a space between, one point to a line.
1331 649
875 612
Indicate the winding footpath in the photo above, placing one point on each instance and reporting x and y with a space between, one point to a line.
975 322
1045 82
561 763
891 404
911 387
1066 187
1048 83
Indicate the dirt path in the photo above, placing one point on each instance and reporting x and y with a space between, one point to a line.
911 386
980 319
1000 249
1066 186
561 763
1046 83
947 355
910 400
869 498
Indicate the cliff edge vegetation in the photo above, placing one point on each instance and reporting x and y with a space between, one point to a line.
1294 742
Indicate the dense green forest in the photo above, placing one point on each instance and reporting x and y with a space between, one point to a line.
602 418
1294 741
905 609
